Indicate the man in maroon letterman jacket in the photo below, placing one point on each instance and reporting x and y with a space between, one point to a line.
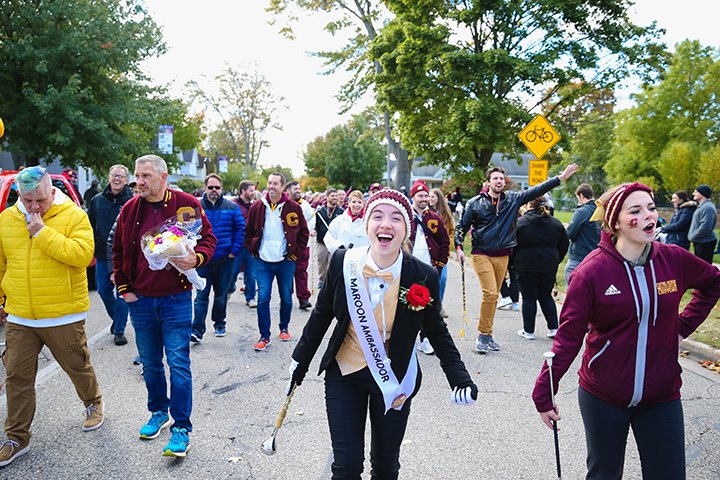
276 233
160 301
429 240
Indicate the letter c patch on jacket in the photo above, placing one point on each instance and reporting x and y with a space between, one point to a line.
292 219
432 225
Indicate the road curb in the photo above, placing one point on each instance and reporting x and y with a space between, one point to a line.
700 350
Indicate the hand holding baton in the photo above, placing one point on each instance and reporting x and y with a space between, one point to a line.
549 359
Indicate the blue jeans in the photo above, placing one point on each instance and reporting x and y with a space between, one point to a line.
443 281
246 262
114 305
570 266
264 273
218 276
164 323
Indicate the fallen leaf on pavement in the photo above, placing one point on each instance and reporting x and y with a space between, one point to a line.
712 366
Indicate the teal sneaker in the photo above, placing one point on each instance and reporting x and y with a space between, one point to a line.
154 426
178 444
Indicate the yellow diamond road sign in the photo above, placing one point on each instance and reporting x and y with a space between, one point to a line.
539 136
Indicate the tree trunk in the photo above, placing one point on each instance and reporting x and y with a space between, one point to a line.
484 158
403 166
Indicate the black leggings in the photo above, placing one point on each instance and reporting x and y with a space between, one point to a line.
347 399
536 287
659 432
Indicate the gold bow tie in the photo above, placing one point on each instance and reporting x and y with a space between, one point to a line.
368 272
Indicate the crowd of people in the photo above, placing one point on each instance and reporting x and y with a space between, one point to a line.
382 258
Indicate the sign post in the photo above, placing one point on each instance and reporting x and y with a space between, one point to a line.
539 137
165 139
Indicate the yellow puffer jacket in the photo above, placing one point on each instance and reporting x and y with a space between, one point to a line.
44 276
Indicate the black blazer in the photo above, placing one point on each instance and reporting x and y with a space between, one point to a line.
332 303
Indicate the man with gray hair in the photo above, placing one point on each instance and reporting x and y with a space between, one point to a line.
46 242
103 210
160 301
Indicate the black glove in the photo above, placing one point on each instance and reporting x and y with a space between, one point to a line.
464 394
297 375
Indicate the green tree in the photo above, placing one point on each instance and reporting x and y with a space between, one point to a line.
361 20
348 155
460 73
266 171
247 107
709 171
71 82
683 107
677 166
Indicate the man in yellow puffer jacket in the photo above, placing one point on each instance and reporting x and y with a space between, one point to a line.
46 242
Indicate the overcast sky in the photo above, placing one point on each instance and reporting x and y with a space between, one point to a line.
204 36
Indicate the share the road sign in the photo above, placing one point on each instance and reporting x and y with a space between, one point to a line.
539 136
537 172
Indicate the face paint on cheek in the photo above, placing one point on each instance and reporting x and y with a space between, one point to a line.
633 223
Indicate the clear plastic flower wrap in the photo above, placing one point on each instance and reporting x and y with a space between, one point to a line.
174 238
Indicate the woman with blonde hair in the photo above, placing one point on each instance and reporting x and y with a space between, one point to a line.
439 204
623 304
348 230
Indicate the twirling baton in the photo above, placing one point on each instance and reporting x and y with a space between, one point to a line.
548 359
268 447
465 316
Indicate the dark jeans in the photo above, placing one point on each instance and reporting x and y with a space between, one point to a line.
705 250
511 291
659 432
114 305
347 400
163 324
536 287
245 262
218 276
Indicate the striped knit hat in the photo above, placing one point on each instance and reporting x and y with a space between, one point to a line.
389 197
610 203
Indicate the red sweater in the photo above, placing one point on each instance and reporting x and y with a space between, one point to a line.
631 347
294 226
132 273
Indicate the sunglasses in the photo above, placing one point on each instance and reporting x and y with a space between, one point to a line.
213 187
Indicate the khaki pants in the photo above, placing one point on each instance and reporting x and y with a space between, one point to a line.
491 273
323 258
68 344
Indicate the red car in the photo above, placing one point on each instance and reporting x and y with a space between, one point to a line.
9 195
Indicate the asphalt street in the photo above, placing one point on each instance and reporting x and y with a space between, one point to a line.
237 394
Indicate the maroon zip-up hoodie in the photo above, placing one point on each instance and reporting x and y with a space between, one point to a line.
631 348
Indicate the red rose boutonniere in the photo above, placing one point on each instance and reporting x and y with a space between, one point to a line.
417 297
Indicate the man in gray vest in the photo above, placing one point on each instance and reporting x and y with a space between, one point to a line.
703 223
584 234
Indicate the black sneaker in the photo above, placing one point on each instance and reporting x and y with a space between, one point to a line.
304 305
481 344
195 338
120 339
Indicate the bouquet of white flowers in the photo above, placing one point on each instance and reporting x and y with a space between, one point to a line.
174 238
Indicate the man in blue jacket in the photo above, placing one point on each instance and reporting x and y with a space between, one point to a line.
584 235
228 225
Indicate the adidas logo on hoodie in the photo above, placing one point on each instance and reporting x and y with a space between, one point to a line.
612 290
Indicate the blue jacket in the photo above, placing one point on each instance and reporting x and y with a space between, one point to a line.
584 235
228 226
677 228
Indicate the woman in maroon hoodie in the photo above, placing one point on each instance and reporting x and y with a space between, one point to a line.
625 295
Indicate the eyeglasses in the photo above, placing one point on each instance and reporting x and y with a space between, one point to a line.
213 187
117 175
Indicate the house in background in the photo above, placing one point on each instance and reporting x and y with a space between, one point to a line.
191 167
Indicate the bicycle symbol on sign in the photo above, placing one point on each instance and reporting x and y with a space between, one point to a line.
539 132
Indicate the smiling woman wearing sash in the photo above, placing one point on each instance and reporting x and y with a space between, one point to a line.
381 298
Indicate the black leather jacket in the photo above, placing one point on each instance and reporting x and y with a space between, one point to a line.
494 228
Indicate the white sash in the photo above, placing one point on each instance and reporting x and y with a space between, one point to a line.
363 318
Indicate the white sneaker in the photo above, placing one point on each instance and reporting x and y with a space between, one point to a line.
526 335
425 347
504 302
552 332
